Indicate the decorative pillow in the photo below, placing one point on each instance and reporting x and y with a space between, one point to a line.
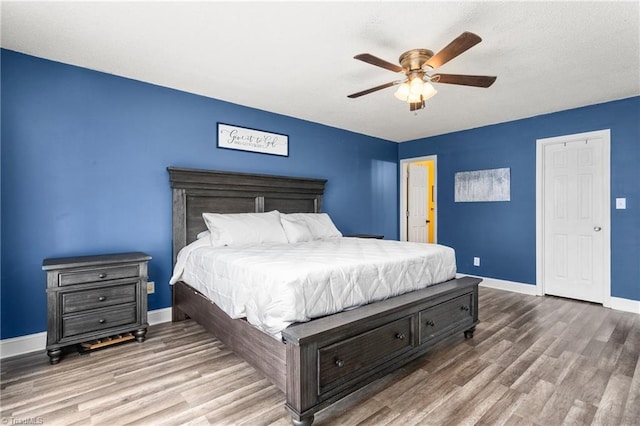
245 228
320 225
296 228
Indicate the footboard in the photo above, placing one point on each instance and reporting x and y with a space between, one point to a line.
331 357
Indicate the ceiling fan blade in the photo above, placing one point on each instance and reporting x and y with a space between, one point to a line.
374 89
462 43
465 80
373 60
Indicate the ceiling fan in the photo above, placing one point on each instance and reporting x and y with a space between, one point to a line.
417 65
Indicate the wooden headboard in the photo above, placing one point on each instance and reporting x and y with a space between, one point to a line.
200 191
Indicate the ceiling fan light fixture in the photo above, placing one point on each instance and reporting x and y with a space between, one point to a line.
417 65
428 91
403 92
416 85
414 98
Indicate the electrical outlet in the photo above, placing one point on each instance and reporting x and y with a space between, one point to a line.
476 261
621 203
151 287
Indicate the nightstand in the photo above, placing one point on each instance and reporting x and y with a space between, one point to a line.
378 237
94 297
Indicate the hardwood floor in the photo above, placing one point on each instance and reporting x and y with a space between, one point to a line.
532 361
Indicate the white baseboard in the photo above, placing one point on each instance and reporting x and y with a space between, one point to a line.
158 316
626 305
38 342
617 303
23 344
512 286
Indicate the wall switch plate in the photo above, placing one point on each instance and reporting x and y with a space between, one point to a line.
621 203
476 261
151 287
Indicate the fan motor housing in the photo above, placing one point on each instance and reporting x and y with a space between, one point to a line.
414 59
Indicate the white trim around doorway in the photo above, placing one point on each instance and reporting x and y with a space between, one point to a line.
404 165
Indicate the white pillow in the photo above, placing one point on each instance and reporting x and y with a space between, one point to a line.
296 228
203 234
245 228
320 225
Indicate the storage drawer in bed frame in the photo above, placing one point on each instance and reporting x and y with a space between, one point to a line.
439 319
341 361
340 353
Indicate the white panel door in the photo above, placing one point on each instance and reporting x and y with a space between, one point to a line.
417 215
574 206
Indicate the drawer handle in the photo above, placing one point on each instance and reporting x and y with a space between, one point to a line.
340 363
102 321
102 298
431 323
464 308
102 275
400 336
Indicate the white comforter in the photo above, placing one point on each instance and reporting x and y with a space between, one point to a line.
275 285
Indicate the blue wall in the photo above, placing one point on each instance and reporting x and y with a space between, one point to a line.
502 234
83 171
84 157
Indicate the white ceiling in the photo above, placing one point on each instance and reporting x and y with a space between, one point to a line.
296 58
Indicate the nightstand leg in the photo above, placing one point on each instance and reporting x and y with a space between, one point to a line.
304 421
54 355
140 334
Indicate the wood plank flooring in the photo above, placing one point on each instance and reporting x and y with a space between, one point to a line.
532 361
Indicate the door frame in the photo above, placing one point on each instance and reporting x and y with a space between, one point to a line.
404 166
605 135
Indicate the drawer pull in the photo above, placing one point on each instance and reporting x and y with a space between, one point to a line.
102 275
102 298
102 321
340 363
400 336
431 323
464 308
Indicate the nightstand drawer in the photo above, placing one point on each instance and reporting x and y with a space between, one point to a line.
77 301
98 274
98 320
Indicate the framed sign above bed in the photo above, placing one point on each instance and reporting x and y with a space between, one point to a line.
246 139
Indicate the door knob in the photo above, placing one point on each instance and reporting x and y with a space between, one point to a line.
597 228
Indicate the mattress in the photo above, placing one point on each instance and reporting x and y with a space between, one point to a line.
275 285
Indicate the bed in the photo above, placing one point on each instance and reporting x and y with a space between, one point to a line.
317 362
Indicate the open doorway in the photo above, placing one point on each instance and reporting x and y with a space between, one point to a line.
418 199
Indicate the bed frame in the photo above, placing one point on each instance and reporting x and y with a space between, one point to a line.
326 359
